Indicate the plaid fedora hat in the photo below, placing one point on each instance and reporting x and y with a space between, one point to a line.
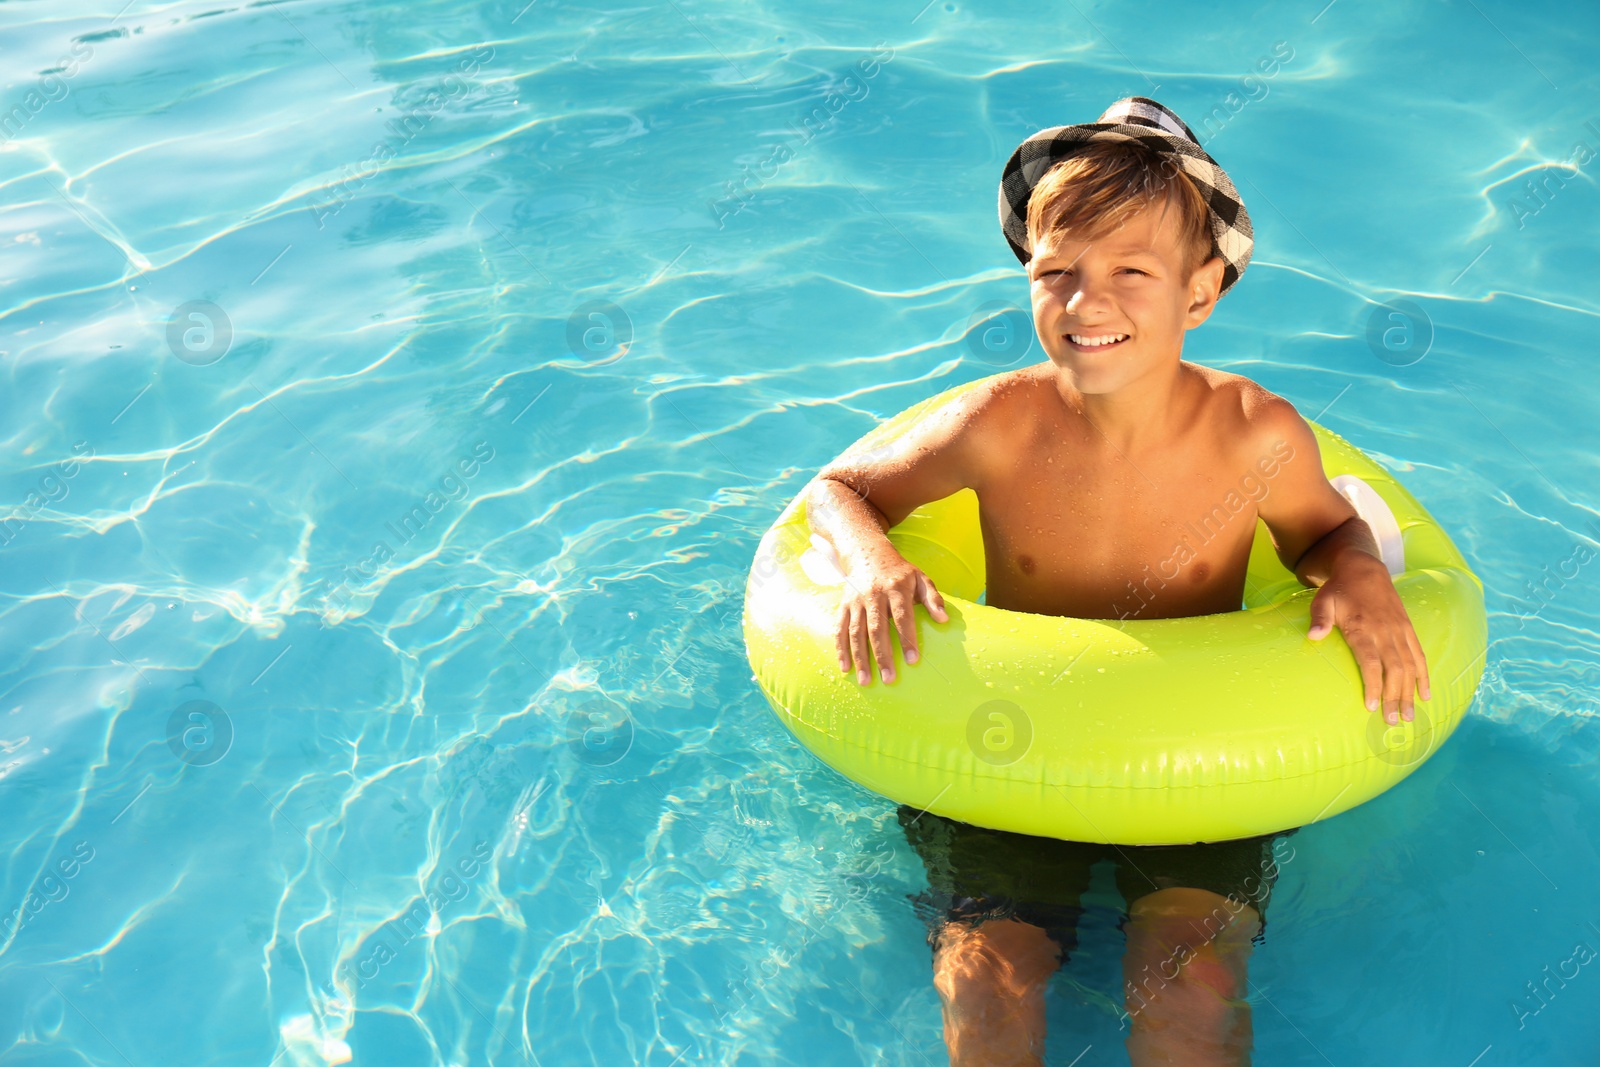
1145 122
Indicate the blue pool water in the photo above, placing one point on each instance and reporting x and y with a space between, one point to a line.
395 394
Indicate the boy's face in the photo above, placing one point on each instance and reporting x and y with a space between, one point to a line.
1128 284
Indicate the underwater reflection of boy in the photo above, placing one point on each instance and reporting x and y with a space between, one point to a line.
1089 468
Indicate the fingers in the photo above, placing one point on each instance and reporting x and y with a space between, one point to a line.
1420 661
1385 677
1390 673
1323 616
843 642
1371 664
870 617
930 598
853 642
1398 681
878 620
900 608
1387 651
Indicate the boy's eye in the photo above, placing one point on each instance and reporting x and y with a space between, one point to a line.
1123 270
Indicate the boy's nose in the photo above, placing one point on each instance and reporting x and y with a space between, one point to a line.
1082 299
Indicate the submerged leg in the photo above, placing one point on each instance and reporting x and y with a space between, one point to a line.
991 980
1184 979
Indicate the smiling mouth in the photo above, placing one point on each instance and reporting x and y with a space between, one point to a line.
1095 343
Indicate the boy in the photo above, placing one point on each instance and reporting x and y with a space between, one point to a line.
1087 467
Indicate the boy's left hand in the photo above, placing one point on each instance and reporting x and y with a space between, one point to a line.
1359 598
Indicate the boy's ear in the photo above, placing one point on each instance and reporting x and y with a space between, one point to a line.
1205 287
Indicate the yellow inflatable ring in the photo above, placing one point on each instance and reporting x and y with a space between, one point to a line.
1161 731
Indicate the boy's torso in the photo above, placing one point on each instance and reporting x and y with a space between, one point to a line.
1081 529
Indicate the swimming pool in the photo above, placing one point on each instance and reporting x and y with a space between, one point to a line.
396 394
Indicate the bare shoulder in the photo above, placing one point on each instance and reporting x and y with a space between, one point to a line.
957 445
1261 421
1000 392
992 422
990 410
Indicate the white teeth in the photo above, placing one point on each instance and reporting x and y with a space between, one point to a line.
1079 339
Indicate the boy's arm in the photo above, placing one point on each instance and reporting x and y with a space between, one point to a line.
1318 536
854 501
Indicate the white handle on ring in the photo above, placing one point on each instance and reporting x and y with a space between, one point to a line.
1374 511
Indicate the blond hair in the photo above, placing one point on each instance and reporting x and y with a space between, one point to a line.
1096 190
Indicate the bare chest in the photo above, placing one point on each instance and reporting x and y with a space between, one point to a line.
1159 538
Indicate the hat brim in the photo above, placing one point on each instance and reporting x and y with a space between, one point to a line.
1232 237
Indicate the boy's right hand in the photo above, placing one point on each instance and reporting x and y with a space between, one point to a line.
882 589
